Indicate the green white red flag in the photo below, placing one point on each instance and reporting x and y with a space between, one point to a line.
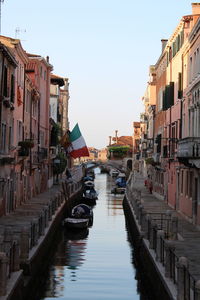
78 146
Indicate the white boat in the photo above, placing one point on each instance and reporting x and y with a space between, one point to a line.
76 223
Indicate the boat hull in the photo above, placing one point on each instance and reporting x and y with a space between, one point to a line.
76 223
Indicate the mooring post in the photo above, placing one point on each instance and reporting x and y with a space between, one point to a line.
3 273
160 234
182 285
24 245
197 290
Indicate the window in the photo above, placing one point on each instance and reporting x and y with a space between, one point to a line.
186 184
10 137
190 75
182 177
5 83
198 64
160 99
2 184
34 108
180 89
28 100
41 71
3 137
41 138
12 92
191 184
173 140
19 130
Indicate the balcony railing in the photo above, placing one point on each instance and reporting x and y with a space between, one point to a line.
189 148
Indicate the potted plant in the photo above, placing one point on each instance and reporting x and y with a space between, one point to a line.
26 144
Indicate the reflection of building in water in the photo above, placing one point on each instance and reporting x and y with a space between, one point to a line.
114 205
55 284
75 253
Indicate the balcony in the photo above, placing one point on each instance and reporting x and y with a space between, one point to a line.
189 148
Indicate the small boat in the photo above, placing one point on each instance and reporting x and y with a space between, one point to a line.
90 194
83 211
121 180
76 223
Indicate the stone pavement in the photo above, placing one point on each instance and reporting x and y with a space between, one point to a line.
24 234
187 241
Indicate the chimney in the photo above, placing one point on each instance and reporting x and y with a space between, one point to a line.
47 59
164 43
116 131
195 8
110 137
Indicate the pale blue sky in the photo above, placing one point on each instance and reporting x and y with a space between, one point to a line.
104 47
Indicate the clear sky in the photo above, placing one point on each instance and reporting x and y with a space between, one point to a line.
104 47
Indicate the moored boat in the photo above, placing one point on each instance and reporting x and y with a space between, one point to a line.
83 211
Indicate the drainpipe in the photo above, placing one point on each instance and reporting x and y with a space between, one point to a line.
181 110
30 132
24 97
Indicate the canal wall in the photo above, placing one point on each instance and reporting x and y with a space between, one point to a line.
167 243
26 238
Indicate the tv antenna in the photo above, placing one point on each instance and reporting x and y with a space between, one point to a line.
18 31
1 1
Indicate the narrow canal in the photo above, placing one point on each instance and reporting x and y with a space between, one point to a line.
98 265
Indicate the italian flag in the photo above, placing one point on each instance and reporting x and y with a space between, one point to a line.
78 146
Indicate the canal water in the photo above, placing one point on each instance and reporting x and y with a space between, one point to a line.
98 264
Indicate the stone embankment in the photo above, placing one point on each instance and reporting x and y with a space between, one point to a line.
167 245
26 236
